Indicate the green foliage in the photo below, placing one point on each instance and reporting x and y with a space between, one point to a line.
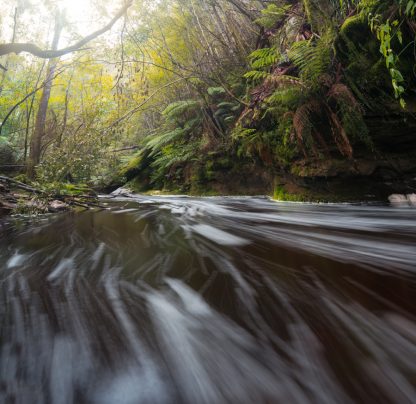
261 60
392 42
273 14
313 57
280 194
54 189
309 112
214 91
177 145
256 75
227 112
7 152
158 142
288 97
169 157
192 89
180 110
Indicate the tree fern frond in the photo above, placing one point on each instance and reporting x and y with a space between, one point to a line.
312 57
256 75
272 14
289 97
302 123
262 53
176 110
340 136
340 93
157 142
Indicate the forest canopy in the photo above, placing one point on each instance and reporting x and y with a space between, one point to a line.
175 93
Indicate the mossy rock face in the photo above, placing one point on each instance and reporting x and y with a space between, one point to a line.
321 168
356 43
138 185
355 28
132 167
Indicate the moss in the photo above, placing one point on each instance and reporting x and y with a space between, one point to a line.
280 194
307 5
354 23
136 185
132 165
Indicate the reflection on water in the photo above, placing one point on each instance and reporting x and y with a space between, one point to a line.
217 300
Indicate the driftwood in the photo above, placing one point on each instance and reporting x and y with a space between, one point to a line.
53 202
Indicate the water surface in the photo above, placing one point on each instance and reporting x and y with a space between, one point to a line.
216 300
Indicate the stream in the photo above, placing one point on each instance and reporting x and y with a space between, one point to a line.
209 300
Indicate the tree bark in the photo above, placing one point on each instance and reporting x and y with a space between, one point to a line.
39 132
29 114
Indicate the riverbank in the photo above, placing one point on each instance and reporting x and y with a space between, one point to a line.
372 174
358 180
24 198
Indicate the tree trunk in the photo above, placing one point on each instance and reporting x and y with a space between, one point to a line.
40 123
29 114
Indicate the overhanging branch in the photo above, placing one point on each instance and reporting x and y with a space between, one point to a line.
50 54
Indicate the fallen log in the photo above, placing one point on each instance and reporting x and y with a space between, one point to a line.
52 200
19 185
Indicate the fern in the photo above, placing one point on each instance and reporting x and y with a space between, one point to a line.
214 91
350 113
313 57
288 97
156 143
340 136
175 111
255 75
261 61
241 132
263 58
272 14
303 124
171 156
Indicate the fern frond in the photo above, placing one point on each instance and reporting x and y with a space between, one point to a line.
340 93
214 91
263 54
156 143
256 75
350 112
312 57
288 97
175 110
272 14
241 132
303 124
340 136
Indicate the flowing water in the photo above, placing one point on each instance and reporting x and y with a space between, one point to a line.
216 300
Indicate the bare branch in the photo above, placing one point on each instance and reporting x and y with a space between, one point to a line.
50 54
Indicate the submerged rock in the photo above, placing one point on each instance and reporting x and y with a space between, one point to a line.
58 206
123 192
412 199
403 200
